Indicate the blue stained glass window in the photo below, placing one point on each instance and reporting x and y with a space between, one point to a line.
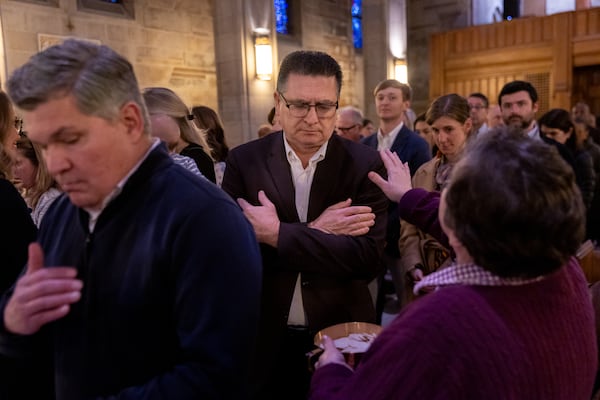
281 16
356 12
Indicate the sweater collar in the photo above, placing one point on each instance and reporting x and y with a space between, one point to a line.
468 274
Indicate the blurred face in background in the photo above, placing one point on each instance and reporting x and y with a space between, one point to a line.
390 104
368 129
494 116
556 134
11 136
166 129
518 109
23 170
478 111
347 128
424 130
582 131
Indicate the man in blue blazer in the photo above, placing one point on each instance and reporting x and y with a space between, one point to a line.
392 99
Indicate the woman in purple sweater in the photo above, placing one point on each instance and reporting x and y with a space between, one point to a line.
512 318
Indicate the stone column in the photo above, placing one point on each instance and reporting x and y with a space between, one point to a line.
376 53
244 101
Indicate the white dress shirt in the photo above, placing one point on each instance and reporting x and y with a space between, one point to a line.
302 178
384 142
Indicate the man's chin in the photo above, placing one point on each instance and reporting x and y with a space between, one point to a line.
82 201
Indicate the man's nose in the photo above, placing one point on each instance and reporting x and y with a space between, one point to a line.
56 161
312 117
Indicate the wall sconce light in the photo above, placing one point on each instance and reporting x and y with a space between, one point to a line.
263 55
400 71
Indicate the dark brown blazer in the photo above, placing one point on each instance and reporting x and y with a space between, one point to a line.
335 269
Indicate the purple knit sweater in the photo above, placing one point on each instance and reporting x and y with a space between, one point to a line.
535 341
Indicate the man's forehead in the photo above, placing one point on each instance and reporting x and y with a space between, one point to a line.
389 90
302 85
516 96
343 117
475 99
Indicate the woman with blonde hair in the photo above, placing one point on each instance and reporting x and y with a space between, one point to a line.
172 122
30 171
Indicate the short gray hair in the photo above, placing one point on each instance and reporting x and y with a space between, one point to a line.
100 80
354 113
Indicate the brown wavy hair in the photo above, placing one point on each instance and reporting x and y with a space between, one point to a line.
43 179
7 121
208 120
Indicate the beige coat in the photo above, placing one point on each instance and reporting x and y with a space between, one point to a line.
417 247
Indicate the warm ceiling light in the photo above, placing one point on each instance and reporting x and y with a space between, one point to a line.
400 71
263 57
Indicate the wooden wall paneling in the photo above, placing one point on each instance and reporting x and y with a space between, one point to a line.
451 88
519 37
449 46
476 40
528 32
562 65
438 48
500 35
581 24
483 37
493 88
484 86
470 87
545 49
501 82
492 35
585 52
537 30
592 21
462 45
548 29
509 35
460 87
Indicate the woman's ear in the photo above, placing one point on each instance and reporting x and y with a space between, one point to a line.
468 125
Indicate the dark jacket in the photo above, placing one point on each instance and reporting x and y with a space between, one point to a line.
18 230
156 319
335 269
414 150
202 159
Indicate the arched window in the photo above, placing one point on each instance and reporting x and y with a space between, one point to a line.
122 8
356 12
281 16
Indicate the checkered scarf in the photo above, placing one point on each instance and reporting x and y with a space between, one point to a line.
468 274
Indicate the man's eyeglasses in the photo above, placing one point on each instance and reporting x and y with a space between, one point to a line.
301 110
347 129
476 107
